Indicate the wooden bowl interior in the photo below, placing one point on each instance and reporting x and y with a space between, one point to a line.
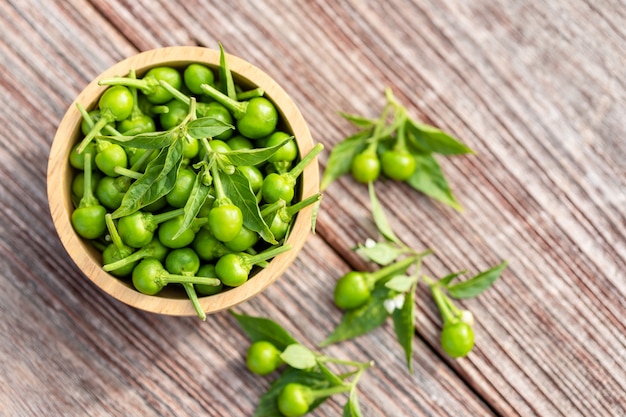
60 175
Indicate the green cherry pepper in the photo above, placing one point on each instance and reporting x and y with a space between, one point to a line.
262 357
457 339
295 399
88 218
154 249
286 153
225 221
110 192
279 216
398 163
115 104
137 229
254 176
137 122
150 277
117 250
150 83
207 246
171 235
365 166
234 268
256 118
109 156
179 195
176 113
244 240
185 262
208 270
281 186
354 288
78 183
195 75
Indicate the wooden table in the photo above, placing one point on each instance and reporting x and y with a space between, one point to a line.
537 90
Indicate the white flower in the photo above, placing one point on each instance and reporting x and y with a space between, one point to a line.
395 303
467 317
370 243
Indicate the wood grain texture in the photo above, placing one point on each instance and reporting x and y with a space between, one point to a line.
538 91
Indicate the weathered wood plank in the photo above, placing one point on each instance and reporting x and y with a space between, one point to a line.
538 92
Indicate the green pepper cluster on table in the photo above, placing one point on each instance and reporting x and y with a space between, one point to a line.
184 177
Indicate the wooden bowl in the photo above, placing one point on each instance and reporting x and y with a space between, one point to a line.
60 175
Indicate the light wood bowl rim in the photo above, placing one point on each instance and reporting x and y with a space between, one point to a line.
60 172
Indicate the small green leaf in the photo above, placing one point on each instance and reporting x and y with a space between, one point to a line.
352 408
380 218
382 253
158 179
237 189
477 284
340 158
401 283
404 324
268 403
299 357
259 328
445 281
361 320
358 121
429 179
197 197
431 139
149 140
207 127
256 156
226 77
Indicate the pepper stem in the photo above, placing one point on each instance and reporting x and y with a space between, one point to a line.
167 278
193 296
293 209
95 129
327 392
237 108
271 208
392 269
143 85
115 236
136 256
88 199
442 304
297 170
267 254
168 215
127 172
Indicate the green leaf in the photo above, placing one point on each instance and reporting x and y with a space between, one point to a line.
380 218
197 197
358 121
226 77
352 408
207 127
237 189
404 324
430 139
401 283
382 253
340 158
150 140
477 284
158 180
268 403
259 328
299 357
361 320
251 157
429 179
445 281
